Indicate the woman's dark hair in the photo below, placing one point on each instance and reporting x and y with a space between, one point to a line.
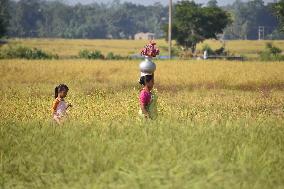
145 79
59 88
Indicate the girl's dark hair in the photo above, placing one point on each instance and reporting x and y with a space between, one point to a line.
145 79
59 88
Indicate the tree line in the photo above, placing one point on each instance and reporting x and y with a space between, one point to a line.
248 17
41 18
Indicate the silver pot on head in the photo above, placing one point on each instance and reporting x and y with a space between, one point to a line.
147 66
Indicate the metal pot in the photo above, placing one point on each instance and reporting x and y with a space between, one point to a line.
147 66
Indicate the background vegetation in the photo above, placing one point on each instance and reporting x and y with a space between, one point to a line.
193 23
66 48
54 19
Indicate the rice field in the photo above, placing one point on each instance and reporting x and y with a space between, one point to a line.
67 48
220 124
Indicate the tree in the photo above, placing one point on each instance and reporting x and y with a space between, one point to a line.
26 18
4 17
212 3
279 12
247 17
193 23
44 18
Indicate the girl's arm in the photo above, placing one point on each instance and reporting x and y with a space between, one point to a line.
54 106
69 105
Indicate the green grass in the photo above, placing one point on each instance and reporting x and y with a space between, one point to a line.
158 154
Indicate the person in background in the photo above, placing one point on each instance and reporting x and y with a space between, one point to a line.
59 106
148 100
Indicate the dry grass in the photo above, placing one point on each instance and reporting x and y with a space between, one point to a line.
109 89
69 48
220 125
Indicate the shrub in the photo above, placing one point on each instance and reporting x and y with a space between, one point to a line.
87 54
273 49
112 56
207 48
25 53
175 50
186 55
221 51
271 53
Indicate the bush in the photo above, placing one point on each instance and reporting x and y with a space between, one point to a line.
175 51
186 55
272 49
25 53
221 51
112 56
207 48
271 53
87 54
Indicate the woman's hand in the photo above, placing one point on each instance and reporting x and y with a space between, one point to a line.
145 112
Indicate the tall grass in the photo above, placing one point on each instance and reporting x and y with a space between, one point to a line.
220 125
109 89
162 154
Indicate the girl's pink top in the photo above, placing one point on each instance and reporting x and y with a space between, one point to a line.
145 97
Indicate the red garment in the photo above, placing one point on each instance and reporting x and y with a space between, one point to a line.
145 97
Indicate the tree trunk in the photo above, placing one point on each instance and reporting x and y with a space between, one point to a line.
193 48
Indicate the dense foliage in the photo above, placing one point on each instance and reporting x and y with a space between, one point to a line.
248 16
37 18
89 54
271 53
279 12
194 23
42 18
4 16
10 52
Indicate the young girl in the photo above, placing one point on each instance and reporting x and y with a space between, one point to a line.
59 105
148 100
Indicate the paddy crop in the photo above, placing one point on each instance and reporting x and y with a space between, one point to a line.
220 125
67 48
